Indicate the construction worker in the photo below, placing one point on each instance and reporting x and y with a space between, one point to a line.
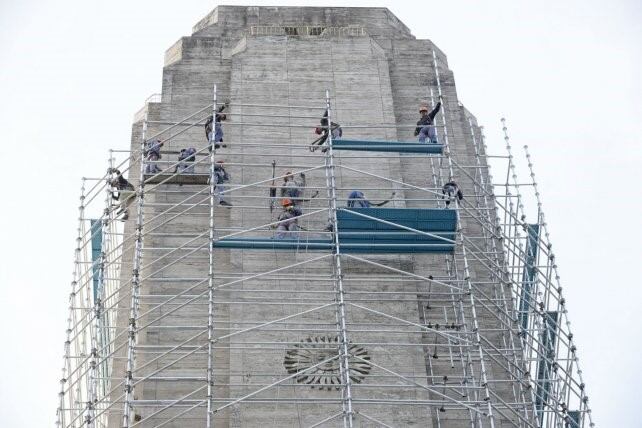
186 159
425 128
450 191
289 223
293 188
221 176
357 199
322 130
124 192
152 155
216 137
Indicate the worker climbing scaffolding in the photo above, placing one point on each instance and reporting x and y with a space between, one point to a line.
221 177
186 159
293 188
152 155
123 191
215 136
425 125
451 191
322 130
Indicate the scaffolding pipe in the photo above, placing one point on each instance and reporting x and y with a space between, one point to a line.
210 276
135 286
344 366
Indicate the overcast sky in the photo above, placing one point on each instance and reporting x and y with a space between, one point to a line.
566 75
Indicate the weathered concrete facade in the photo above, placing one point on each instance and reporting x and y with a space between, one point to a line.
377 74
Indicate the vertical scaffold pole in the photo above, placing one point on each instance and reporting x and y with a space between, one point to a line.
344 365
135 286
512 216
513 344
97 338
469 287
584 409
210 279
66 368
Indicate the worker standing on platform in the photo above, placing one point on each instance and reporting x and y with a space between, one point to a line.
152 155
425 128
124 192
451 191
293 188
216 137
322 130
186 159
221 176
289 225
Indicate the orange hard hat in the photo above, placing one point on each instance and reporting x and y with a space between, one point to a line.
285 202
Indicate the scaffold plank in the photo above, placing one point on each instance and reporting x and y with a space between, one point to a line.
354 246
370 235
387 146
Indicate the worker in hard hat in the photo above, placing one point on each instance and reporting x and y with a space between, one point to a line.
425 128
288 225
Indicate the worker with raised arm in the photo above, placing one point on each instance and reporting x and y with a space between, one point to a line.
293 188
451 191
322 130
123 191
425 125
216 138
288 220
152 155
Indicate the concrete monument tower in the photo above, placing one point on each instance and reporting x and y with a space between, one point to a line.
412 314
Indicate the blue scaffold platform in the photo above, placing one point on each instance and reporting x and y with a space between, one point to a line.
371 231
387 146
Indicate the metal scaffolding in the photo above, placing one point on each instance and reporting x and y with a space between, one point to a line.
196 313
